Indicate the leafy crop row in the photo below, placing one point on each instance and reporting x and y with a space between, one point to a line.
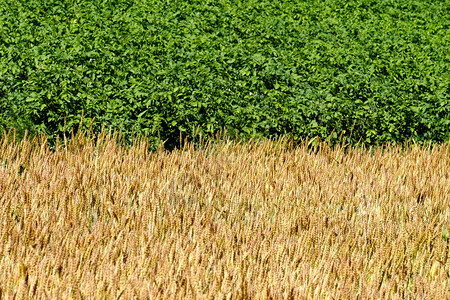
375 71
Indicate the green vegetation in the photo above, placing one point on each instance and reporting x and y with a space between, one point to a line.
375 71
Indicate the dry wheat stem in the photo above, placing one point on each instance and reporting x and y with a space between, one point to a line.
225 220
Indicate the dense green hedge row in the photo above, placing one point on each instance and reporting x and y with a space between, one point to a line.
371 70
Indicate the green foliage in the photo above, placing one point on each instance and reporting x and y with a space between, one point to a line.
370 71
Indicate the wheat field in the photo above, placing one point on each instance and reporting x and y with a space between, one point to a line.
224 220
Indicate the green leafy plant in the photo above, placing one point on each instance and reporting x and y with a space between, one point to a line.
371 72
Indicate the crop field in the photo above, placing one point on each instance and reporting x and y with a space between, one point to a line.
335 185
222 219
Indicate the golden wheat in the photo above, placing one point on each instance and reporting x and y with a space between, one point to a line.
226 220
